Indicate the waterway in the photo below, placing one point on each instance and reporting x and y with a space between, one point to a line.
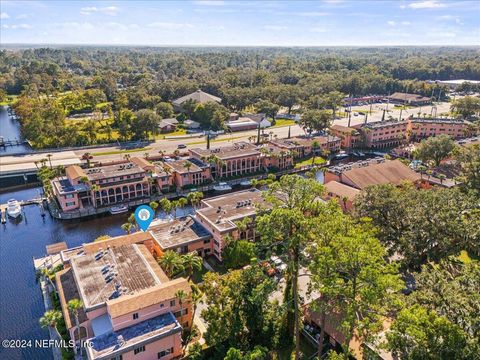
10 130
21 303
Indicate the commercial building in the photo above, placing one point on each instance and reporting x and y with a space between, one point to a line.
409 99
198 96
453 84
343 194
130 307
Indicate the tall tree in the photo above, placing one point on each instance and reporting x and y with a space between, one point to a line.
435 149
286 228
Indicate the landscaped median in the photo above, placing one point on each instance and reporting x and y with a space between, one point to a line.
310 161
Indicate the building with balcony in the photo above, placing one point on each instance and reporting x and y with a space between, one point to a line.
421 128
303 146
220 214
130 307
241 158
350 136
383 134
189 172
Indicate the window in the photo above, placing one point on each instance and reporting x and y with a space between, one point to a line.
206 241
135 316
70 203
172 303
69 196
161 306
138 350
118 357
181 313
165 352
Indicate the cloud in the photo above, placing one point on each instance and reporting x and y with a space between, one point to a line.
274 27
75 25
312 14
4 15
107 10
428 4
21 16
391 23
18 26
405 23
318 30
169 25
209 2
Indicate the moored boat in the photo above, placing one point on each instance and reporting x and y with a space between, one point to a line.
246 183
118 209
14 209
223 186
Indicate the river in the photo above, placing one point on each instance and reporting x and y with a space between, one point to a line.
10 130
21 303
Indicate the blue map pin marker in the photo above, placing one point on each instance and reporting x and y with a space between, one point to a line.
144 216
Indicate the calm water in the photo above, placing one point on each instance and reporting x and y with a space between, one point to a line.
10 129
21 303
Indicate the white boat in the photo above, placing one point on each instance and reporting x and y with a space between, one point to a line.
223 186
246 183
14 209
118 209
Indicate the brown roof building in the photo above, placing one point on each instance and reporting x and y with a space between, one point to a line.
198 96
374 172
409 99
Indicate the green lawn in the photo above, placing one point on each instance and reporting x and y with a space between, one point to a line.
178 132
318 161
283 122
306 349
120 151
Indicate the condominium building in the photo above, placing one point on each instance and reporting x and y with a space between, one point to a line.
130 307
383 134
241 158
420 128
220 216
303 146
189 172
100 186
349 136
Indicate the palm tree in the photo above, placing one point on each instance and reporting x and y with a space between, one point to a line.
127 227
176 152
127 157
154 205
74 306
196 296
50 319
162 154
187 165
194 198
441 177
146 155
170 262
36 164
315 146
49 156
181 296
181 203
191 262
86 156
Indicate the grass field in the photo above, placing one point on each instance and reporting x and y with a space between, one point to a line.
121 151
283 122
318 161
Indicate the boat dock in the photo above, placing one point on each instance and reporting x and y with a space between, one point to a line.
36 201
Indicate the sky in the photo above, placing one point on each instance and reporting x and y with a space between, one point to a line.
242 23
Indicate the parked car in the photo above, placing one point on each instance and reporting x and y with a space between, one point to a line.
181 146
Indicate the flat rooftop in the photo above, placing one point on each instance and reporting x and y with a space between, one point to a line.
171 234
179 166
380 124
112 272
223 211
109 171
64 186
239 149
108 345
438 120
